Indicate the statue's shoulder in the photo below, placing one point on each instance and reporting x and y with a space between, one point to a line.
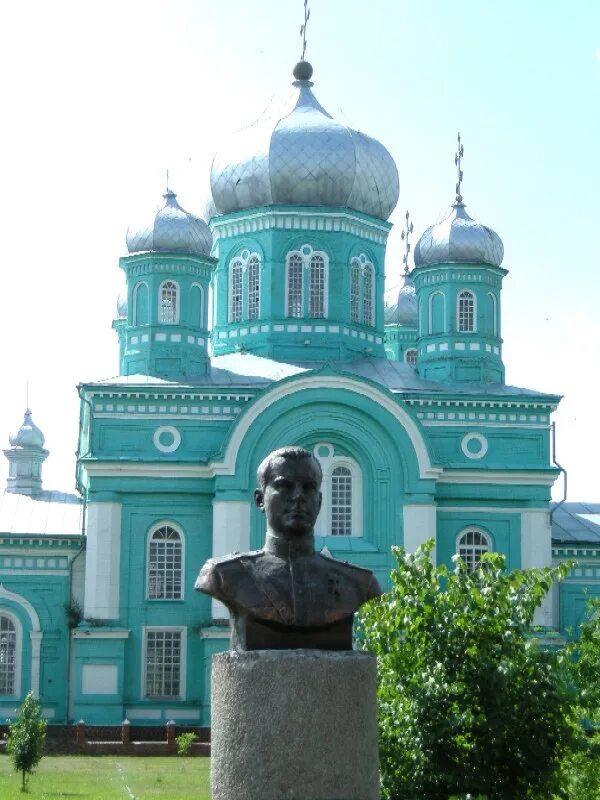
232 559
359 576
344 565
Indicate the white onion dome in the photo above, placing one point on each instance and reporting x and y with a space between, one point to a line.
404 310
173 230
301 156
460 239
122 305
29 436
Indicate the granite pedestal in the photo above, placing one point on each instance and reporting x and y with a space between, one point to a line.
294 725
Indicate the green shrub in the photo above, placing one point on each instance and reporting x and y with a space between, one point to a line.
184 743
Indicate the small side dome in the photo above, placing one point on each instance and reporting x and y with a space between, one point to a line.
173 230
29 436
122 305
404 310
459 239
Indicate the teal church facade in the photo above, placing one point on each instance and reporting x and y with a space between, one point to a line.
265 327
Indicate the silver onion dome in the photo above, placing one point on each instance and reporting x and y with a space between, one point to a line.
404 310
302 156
173 230
460 239
29 436
122 304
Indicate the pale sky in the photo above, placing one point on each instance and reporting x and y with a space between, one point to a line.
98 99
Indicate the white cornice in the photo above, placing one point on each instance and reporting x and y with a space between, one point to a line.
498 477
95 633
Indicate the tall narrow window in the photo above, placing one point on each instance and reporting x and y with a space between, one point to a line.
163 663
244 287
167 312
362 281
294 285
466 311
235 291
341 502
306 283
8 656
196 305
471 546
140 304
165 564
253 278
493 304
355 291
316 306
368 295
410 356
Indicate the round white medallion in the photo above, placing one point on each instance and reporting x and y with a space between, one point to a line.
166 439
474 445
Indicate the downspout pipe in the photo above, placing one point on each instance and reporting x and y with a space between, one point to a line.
562 470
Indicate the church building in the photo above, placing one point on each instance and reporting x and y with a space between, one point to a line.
262 327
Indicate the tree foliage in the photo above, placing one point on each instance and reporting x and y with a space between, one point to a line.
26 737
469 703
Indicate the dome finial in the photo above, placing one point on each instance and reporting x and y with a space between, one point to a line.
460 150
406 231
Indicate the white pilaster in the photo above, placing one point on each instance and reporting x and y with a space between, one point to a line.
231 534
36 648
420 524
103 560
536 551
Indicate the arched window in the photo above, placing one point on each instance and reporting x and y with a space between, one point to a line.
294 285
410 356
341 502
437 313
8 656
235 291
493 303
197 305
471 545
168 309
140 304
165 564
466 311
316 305
341 511
368 295
244 287
306 277
362 285
253 278
355 291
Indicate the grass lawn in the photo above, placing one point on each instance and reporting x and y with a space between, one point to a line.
109 778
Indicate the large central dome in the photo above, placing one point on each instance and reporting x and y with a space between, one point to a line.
303 157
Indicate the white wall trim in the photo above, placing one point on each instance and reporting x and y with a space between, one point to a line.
419 524
6 594
103 560
18 650
231 534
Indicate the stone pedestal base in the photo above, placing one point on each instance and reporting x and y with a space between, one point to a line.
294 725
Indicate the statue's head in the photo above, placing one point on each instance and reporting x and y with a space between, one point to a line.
289 491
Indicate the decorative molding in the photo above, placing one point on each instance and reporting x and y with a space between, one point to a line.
474 437
169 430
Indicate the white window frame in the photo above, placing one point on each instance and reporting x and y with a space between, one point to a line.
4 612
134 296
151 531
200 318
182 629
406 352
175 320
459 297
430 312
494 313
242 260
365 265
306 253
328 464
473 529
253 260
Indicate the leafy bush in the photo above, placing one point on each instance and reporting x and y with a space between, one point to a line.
469 704
184 743
26 738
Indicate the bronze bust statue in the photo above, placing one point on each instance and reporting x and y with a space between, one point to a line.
286 595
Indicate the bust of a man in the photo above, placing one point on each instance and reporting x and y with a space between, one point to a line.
286 595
